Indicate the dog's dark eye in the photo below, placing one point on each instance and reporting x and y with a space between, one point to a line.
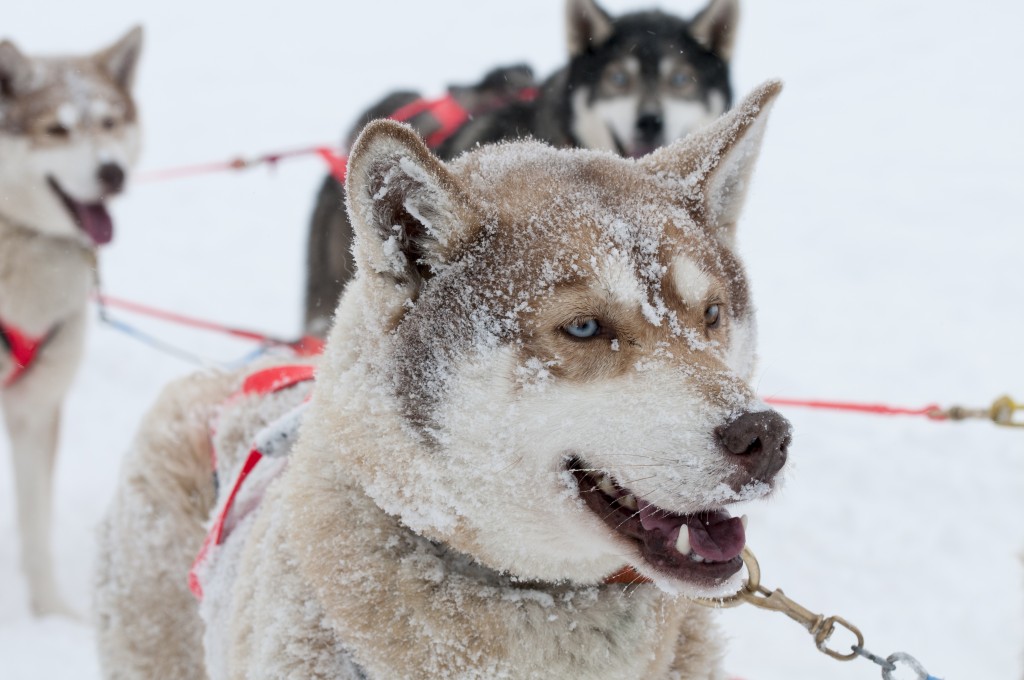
617 78
584 329
58 130
712 316
109 123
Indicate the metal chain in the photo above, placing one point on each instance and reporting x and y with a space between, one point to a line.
887 666
818 625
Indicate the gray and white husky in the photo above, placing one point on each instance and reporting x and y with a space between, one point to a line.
632 84
540 376
68 137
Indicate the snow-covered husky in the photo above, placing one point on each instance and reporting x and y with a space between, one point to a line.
68 136
538 378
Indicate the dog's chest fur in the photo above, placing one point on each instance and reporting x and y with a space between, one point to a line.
384 602
43 280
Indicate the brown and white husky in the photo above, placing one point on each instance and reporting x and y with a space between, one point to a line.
539 379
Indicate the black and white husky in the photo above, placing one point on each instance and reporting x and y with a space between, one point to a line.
632 84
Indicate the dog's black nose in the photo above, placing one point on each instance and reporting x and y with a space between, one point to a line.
758 442
111 177
649 125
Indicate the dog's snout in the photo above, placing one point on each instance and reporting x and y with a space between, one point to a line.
650 125
758 442
111 176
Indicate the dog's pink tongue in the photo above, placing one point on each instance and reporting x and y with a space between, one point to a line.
653 518
716 536
95 221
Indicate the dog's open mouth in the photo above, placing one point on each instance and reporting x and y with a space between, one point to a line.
702 548
92 218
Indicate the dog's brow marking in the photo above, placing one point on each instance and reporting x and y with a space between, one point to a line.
617 278
692 283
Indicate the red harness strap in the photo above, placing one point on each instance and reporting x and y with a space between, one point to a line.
449 114
267 381
337 163
23 350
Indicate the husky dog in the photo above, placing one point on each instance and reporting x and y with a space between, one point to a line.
68 136
539 377
633 83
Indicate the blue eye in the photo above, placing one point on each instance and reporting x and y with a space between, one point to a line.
618 78
583 329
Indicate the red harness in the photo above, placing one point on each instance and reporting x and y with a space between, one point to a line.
23 350
267 381
449 114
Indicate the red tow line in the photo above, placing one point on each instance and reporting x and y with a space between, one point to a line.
335 161
446 110
932 411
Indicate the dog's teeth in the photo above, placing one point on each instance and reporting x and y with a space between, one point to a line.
696 558
628 501
743 521
683 542
605 484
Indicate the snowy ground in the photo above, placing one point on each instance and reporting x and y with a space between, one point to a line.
883 236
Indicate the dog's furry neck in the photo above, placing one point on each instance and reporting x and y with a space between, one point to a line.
371 562
43 278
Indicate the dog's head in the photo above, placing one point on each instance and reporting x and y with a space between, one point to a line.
544 358
642 80
68 137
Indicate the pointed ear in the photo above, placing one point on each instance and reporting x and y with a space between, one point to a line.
410 215
711 167
120 59
588 26
15 70
715 27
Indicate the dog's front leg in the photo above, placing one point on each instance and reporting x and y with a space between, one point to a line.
33 430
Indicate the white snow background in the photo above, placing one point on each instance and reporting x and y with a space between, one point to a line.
883 235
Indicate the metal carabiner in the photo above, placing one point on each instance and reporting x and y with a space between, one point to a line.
1006 412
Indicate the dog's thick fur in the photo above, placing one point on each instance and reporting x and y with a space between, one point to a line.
68 134
632 84
515 315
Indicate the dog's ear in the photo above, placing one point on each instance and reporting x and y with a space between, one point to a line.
410 215
715 27
15 70
120 59
588 26
712 166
